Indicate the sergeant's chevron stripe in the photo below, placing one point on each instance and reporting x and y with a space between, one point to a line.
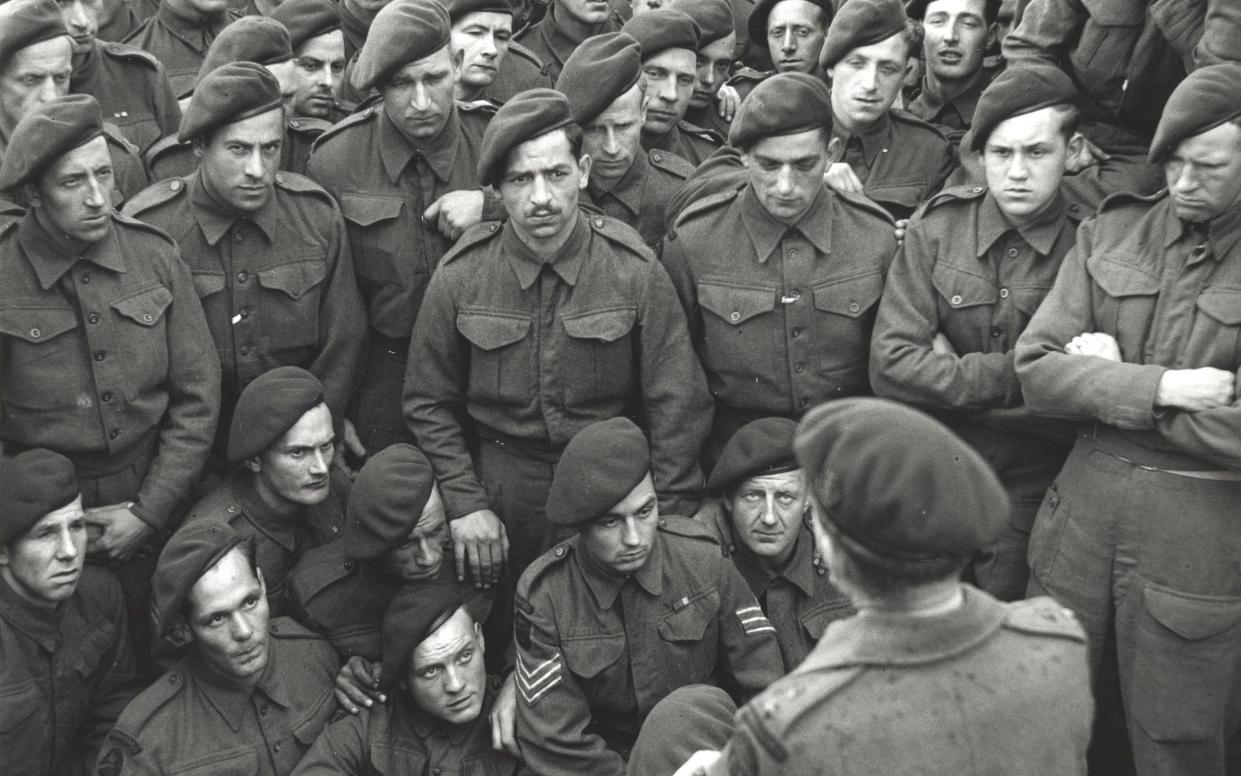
754 621
534 680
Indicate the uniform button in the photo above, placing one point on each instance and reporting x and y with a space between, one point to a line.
799 367
956 299
436 772
657 157
147 317
245 312
85 277
803 402
106 396
175 185
35 333
996 332
732 549
275 629
599 222
1003 293
279 177
736 316
559 552
663 521
793 252
262 711
231 508
348 565
796 332
174 679
245 350
1012 251
854 307
978 189
276 748
243 277
491 227
99 355
114 433
239 236
93 317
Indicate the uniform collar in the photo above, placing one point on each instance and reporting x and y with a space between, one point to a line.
559 42
426 726
42 624
605 584
627 190
766 232
280 527
231 701
963 104
85 70
875 139
52 256
1040 234
1223 232
216 219
195 29
798 569
397 150
567 263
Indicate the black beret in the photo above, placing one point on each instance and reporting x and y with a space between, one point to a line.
782 104
257 39
598 468
27 22
192 550
229 94
598 72
460 8
763 446
269 406
663 29
898 482
46 134
756 25
386 501
527 115
713 17
1019 90
416 611
404 31
307 19
33 484
861 23
1208 97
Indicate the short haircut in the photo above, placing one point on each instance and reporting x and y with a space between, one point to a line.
879 574
572 133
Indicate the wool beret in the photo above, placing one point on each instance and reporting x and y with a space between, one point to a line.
193 549
861 23
1017 91
46 134
1207 98
714 18
229 94
33 484
898 482
417 611
763 446
663 29
598 72
307 19
386 501
404 31
782 104
460 8
269 406
249 39
527 115
600 466
756 25
27 22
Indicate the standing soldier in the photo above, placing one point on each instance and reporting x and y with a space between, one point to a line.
1138 340
105 356
493 66
179 34
319 59
717 44
535 328
564 27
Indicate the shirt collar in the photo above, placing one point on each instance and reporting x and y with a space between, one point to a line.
53 255
766 232
397 150
964 103
280 527
567 263
875 139
1040 234
231 701
195 29
627 190
216 219
85 70
425 726
605 584
798 569
39 623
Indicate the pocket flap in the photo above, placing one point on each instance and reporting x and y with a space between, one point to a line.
735 304
962 289
241 761
20 703
37 325
606 325
850 296
690 622
294 279
1119 279
490 331
1192 617
587 657
1222 304
208 283
145 307
364 209
390 760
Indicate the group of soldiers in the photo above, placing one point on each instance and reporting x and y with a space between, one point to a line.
594 387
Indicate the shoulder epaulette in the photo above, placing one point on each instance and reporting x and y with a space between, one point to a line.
306 125
143 226
1120 198
620 233
706 204
114 134
908 118
289 628
129 53
687 528
863 202
300 184
473 235
478 106
148 703
364 115
770 715
671 163
701 133
550 559
1042 616
219 504
162 146
516 48
952 194
156 194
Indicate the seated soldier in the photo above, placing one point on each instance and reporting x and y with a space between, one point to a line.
66 670
437 722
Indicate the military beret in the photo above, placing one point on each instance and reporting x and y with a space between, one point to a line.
782 104
386 501
32 484
861 23
663 29
193 549
229 94
249 39
898 482
46 134
756 25
1208 97
600 466
1017 91
416 612
404 31
307 19
598 72
269 406
460 8
27 22
763 446
524 117
713 17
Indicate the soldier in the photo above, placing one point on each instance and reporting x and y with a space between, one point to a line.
781 278
890 156
269 250
631 608
105 356
66 670
603 81
117 20
405 174
319 59
717 43
931 676
564 27
763 523
668 42
493 66
36 63
534 328
179 34
253 694
1138 340
958 34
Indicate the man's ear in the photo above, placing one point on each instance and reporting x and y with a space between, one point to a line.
478 636
584 165
253 464
835 150
458 60
199 148
1073 160
31 193
179 632
4 555
993 32
262 582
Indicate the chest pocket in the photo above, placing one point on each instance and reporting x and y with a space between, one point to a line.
208 284
290 316
815 620
24 712
690 636
589 656
500 355
1126 306
379 238
393 760
966 303
36 347
739 330
146 343
1217 329
598 363
233 762
1106 42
